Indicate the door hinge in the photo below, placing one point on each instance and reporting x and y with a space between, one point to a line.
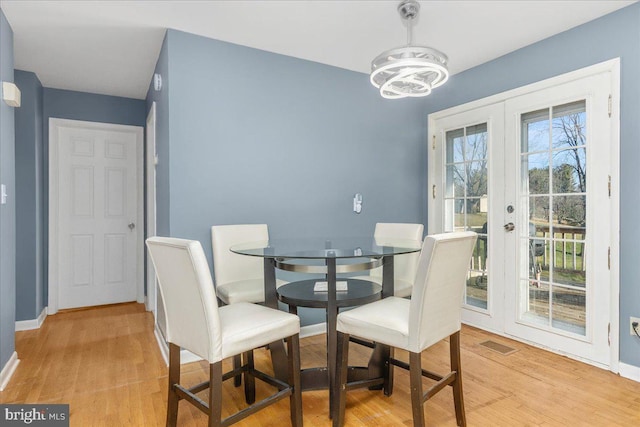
433 191
609 257
433 143
609 333
609 185
610 105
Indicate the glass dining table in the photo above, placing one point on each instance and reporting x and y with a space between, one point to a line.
328 257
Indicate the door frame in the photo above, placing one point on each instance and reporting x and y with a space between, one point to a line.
150 197
612 66
54 185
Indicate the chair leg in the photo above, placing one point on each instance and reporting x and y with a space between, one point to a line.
174 378
340 391
237 363
458 398
215 394
295 400
415 380
249 379
387 386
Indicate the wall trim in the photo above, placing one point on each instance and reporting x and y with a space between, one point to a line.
151 300
162 344
629 371
311 330
27 325
8 370
185 355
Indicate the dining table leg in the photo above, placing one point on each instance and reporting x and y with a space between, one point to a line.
277 348
332 334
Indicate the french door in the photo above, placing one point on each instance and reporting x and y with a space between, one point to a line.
470 196
531 174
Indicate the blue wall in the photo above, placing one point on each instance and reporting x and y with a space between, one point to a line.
29 213
65 104
614 35
8 210
261 137
258 137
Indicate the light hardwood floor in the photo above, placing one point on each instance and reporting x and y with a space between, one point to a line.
105 363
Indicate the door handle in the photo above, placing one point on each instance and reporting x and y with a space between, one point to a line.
131 226
509 226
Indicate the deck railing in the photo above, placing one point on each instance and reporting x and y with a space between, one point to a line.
571 241
567 240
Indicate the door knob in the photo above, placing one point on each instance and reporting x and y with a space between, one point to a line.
509 226
132 226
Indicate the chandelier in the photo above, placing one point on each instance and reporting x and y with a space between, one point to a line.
409 71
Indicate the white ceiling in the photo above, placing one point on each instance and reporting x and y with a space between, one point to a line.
111 47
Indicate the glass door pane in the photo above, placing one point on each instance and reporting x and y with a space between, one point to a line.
466 200
553 187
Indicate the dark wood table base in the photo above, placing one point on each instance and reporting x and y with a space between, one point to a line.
359 292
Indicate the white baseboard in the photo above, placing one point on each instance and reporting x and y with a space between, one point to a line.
185 355
27 325
629 371
162 344
311 330
8 370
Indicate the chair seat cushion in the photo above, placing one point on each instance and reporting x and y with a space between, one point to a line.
251 290
246 326
385 321
401 288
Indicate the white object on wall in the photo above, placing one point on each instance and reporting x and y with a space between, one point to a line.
357 203
11 94
157 82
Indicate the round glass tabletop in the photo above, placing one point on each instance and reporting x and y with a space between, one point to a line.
323 248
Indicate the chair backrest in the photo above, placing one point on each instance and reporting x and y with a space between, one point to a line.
404 266
230 267
436 301
188 296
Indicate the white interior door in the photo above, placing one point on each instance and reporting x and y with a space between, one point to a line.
96 245
531 171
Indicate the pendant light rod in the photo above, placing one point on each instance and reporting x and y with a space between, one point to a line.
408 10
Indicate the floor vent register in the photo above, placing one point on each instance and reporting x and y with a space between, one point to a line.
500 348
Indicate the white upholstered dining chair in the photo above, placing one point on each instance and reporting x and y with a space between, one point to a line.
196 323
404 266
238 278
432 314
